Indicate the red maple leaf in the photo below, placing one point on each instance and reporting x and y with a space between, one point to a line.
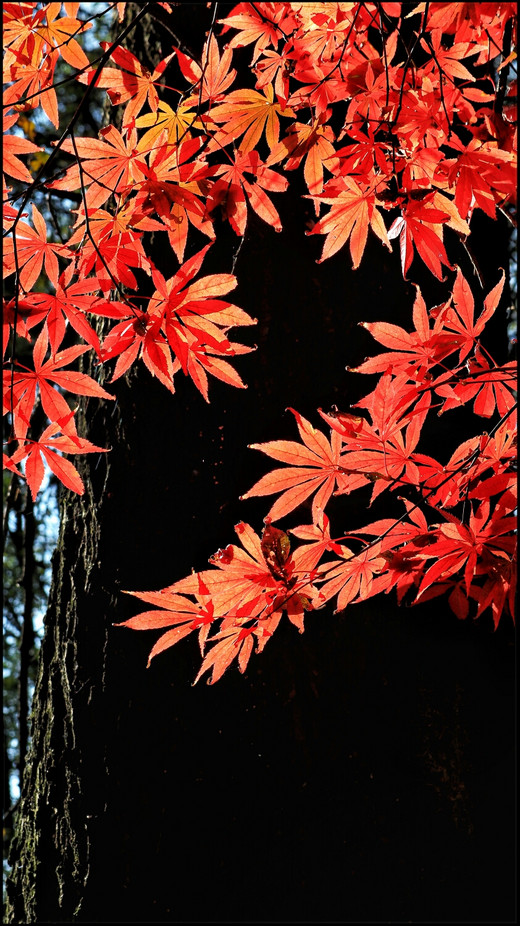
412 353
312 143
491 387
111 247
108 165
210 81
175 189
315 466
26 382
173 609
352 576
34 78
70 304
459 546
133 84
461 320
247 113
246 179
421 225
261 23
140 335
14 147
48 449
307 557
475 175
33 252
353 211
195 320
391 460
185 316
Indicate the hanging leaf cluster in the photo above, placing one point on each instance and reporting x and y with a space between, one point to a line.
400 118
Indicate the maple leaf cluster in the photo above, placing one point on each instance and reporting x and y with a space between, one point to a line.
469 553
400 118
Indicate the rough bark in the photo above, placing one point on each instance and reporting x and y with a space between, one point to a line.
361 772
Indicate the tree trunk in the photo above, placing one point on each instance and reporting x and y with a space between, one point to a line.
361 772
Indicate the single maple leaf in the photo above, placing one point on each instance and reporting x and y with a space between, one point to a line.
133 84
20 22
307 557
213 77
392 462
448 60
412 353
247 113
475 175
353 211
397 533
261 23
246 179
421 225
459 546
460 320
195 320
59 34
275 69
312 143
176 124
14 147
201 358
108 165
358 158
26 382
34 79
491 387
177 610
139 335
70 303
48 449
315 466
33 252
353 576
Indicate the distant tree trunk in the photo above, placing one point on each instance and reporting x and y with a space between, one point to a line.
361 772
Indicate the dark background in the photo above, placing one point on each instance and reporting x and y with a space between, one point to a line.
361 772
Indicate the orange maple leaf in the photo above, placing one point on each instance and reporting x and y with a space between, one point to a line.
353 211
247 113
315 466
